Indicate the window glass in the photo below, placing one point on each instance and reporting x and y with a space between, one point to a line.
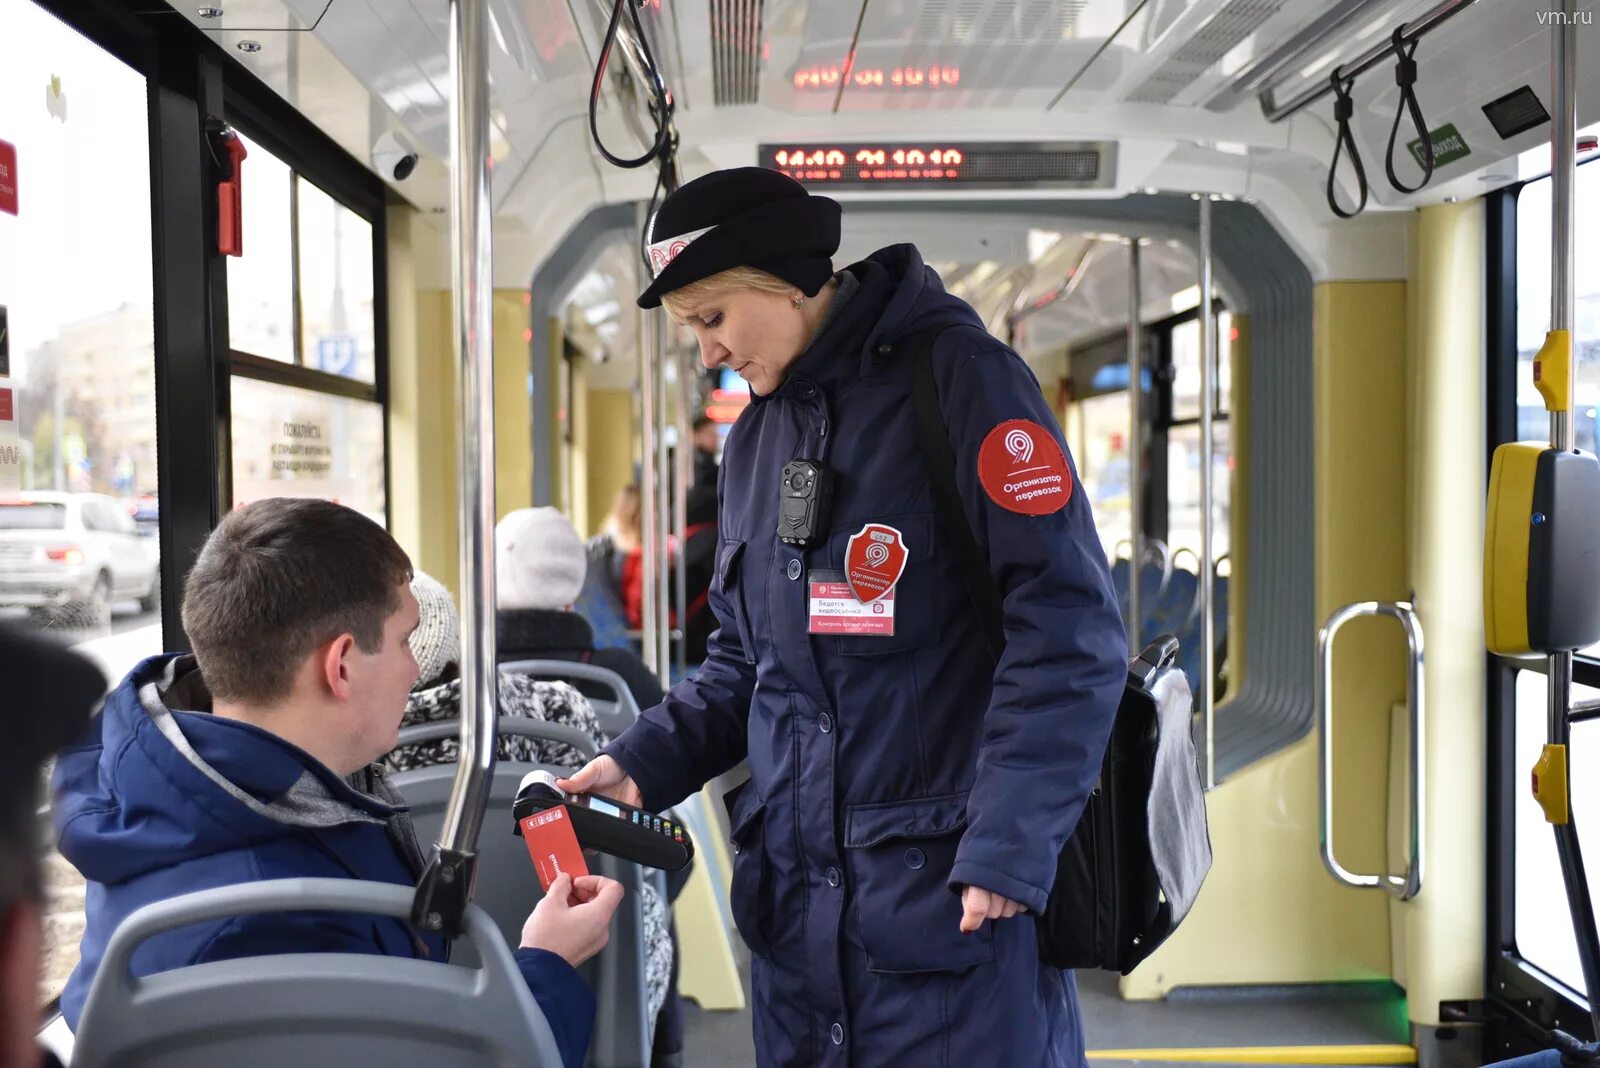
1102 457
1183 487
1186 366
24 515
261 282
77 368
93 518
297 443
335 286
1533 311
1543 921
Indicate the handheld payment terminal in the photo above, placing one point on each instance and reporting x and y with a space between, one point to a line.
607 826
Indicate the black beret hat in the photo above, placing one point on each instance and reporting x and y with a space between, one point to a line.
742 217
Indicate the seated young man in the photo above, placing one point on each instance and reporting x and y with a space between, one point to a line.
254 759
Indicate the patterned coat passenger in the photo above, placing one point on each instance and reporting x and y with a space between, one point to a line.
890 772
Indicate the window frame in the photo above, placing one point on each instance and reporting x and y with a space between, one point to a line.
189 80
351 186
1158 407
1525 1002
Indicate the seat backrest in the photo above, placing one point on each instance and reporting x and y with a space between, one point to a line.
309 1008
600 603
615 716
507 888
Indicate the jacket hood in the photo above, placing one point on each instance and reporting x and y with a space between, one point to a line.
158 780
917 299
894 296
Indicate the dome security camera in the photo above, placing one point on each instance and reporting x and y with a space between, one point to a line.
393 158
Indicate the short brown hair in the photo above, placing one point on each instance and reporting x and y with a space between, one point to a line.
276 579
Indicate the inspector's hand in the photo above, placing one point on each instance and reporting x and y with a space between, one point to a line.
574 919
978 904
605 777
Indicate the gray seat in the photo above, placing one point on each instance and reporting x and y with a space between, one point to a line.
309 1009
615 716
507 889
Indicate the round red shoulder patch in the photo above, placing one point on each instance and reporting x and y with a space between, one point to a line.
1023 470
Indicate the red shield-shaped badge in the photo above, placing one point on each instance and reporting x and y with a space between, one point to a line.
873 561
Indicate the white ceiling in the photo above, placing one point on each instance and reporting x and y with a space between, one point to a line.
1157 77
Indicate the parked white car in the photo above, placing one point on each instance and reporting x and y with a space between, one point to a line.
67 556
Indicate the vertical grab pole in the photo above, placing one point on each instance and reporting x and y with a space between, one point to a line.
1563 175
664 505
446 886
680 506
1208 370
1135 451
649 520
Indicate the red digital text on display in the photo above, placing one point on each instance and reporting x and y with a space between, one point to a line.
869 163
828 76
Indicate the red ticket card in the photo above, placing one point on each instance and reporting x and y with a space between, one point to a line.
553 845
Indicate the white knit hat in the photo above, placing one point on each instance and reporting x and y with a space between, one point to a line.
539 559
436 643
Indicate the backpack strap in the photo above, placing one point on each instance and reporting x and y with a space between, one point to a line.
938 458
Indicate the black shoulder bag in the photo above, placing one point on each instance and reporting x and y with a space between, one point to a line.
1133 865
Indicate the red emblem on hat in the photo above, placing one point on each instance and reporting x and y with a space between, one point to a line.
873 561
1023 469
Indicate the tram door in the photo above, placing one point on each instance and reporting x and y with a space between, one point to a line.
1535 981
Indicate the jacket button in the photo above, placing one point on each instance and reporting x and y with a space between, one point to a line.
794 570
807 389
833 876
838 1034
914 858
825 723
885 349
736 847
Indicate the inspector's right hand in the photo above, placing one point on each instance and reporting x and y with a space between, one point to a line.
605 777
574 919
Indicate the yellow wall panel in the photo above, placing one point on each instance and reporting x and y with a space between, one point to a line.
610 450
513 406
1269 912
1444 926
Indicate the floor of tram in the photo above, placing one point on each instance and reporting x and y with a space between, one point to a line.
1281 1025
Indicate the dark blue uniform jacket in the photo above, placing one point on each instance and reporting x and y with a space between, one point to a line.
140 811
887 773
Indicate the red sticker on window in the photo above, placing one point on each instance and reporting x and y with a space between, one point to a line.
1023 470
8 178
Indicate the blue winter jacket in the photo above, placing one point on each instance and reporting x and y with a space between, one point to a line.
158 802
887 773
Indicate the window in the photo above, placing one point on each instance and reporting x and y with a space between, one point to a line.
25 515
1543 922
335 255
307 413
261 282
78 392
298 443
1177 425
1102 457
1540 925
302 293
1533 307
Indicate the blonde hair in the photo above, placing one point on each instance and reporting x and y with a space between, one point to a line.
623 522
680 302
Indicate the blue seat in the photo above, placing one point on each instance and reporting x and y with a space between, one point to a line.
601 605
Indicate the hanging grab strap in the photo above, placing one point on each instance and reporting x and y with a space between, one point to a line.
1405 76
1343 110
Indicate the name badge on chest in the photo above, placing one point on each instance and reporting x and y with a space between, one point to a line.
834 609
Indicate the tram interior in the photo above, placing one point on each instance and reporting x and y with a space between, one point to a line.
1363 369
